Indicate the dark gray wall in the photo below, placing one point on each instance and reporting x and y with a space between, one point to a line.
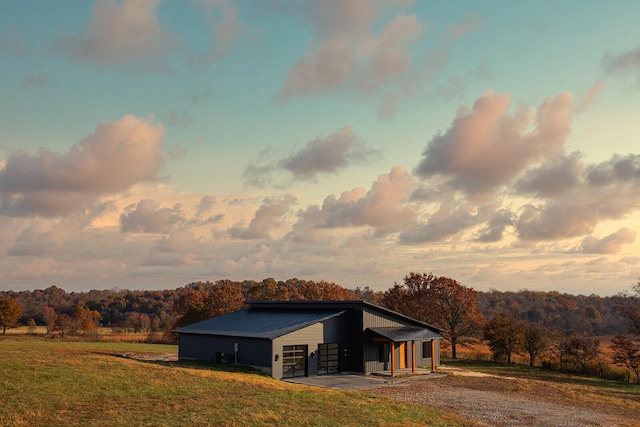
251 351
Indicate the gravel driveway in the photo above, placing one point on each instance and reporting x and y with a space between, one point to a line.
488 400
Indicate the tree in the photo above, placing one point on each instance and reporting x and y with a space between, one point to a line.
628 306
578 352
440 301
222 297
31 323
49 316
536 341
10 312
626 352
505 334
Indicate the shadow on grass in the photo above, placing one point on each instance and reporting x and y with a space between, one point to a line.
542 374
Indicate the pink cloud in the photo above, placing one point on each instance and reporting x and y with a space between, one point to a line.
610 244
113 158
222 19
384 207
327 154
346 53
486 147
148 217
119 32
269 216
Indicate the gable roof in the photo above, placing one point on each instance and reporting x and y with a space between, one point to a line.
259 323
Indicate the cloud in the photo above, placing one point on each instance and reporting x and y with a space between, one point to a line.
553 178
35 81
12 42
486 147
494 231
618 169
328 154
623 63
384 207
610 244
448 220
590 96
322 155
119 32
269 216
116 156
221 17
608 190
454 32
346 53
147 217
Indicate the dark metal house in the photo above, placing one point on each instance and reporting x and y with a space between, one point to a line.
305 338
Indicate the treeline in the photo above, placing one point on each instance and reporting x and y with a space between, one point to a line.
159 310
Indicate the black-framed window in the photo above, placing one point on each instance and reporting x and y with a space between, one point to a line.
426 349
383 352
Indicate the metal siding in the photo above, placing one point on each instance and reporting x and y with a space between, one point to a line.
375 319
251 351
328 331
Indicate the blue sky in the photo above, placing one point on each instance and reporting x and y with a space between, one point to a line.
149 144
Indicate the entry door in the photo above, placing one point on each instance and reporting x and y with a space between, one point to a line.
328 358
403 355
294 361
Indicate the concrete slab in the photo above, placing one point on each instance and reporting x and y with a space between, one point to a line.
355 381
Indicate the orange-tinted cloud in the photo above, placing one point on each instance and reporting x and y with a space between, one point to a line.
116 156
347 53
610 244
148 217
487 146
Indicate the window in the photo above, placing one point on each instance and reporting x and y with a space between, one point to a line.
426 349
383 352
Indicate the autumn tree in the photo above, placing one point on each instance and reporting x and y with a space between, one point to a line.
31 323
440 301
626 352
505 334
83 319
628 307
222 297
578 352
536 341
10 313
49 316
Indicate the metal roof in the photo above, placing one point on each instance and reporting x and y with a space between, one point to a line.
406 333
259 323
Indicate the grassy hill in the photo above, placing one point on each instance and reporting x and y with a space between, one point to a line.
52 383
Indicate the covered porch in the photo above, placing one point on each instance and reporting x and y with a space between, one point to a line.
399 349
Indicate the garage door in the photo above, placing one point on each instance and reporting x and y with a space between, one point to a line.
294 361
328 360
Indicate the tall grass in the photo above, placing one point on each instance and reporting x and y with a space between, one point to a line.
53 383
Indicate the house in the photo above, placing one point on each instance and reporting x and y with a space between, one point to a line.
306 338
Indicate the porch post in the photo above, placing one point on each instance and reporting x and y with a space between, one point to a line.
393 359
433 355
413 356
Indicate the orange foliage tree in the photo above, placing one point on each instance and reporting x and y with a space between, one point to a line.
440 301
10 312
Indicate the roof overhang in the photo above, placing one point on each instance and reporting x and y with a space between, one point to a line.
405 333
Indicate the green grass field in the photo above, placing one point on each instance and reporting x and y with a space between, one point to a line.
56 383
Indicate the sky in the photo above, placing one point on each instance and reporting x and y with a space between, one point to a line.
148 144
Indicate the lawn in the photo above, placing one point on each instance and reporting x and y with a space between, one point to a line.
45 382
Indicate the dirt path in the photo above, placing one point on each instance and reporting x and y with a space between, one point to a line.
489 400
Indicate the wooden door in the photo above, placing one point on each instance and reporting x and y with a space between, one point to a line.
403 355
